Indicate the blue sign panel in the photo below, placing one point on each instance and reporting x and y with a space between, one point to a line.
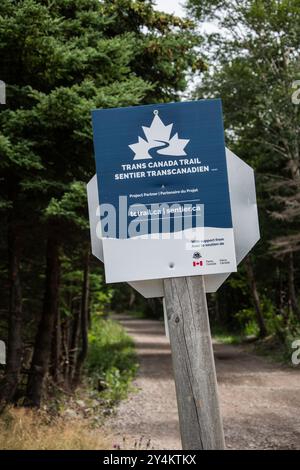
164 153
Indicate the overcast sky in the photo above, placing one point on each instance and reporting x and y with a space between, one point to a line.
175 6
171 6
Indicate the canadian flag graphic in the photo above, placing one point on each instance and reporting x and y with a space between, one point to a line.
197 263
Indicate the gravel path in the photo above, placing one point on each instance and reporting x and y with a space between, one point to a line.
260 401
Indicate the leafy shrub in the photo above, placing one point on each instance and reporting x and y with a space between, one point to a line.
247 321
111 362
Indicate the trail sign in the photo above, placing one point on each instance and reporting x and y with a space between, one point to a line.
244 218
163 187
191 214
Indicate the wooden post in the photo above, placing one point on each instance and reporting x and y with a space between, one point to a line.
193 364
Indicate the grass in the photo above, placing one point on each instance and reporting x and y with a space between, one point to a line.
269 347
75 422
111 362
138 314
25 429
222 336
275 350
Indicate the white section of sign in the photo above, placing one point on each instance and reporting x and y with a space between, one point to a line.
243 204
135 259
244 217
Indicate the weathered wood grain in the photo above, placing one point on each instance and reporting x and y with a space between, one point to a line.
193 364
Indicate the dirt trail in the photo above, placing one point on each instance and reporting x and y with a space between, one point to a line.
260 401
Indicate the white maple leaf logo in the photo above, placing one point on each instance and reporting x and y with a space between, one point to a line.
158 136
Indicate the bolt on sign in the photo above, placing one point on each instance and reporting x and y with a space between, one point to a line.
165 208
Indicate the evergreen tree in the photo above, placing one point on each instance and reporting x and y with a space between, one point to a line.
60 60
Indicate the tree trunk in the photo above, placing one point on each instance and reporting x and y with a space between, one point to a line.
42 348
255 298
132 298
65 351
56 371
74 345
84 320
292 291
14 351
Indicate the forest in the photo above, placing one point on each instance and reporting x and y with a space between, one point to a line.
61 59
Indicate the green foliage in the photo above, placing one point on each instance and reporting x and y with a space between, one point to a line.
72 201
253 59
59 60
111 363
247 321
222 336
101 294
